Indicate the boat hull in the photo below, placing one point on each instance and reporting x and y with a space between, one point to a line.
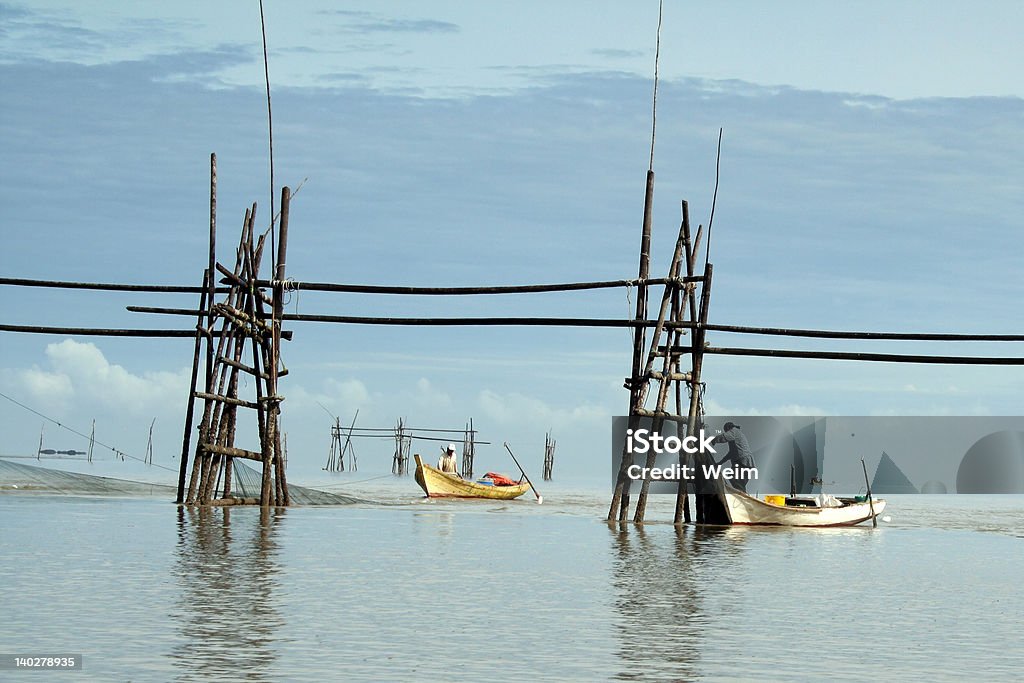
437 484
745 509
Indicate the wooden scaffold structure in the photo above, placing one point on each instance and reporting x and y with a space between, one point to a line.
403 444
336 455
679 312
248 338
549 456
468 450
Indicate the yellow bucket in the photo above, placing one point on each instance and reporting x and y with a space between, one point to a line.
776 500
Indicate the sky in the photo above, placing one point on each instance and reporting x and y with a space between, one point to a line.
872 166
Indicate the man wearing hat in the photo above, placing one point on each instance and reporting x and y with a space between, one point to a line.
739 453
448 463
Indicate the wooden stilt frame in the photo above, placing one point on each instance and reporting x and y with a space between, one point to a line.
243 323
677 314
403 444
549 456
468 450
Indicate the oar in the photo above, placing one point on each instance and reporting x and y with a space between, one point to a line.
540 499
871 505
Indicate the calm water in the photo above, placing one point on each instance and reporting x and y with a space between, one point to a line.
474 591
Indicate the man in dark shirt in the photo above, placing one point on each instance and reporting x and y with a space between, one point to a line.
739 455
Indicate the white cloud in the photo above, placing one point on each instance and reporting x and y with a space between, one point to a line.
42 385
713 407
93 378
519 409
79 373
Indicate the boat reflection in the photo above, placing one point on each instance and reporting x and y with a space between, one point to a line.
227 564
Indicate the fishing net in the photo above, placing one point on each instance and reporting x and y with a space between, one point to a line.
15 476
245 483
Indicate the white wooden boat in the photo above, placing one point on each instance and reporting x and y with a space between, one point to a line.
746 509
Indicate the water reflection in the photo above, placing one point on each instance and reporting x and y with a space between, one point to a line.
661 612
228 568
435 526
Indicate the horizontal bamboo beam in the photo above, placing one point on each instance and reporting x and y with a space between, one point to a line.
671 376
107 332
225 502
364 289
436 322
411 429
106 286
241 318
230 277
643 412
417 437
511 289
245 368
461 291
233 452
226 399
613 322
838 334
874 357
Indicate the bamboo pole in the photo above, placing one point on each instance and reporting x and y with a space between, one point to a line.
615 322
271 454
106 286
456 322
872 357
619 507
211 409
283 497
871 503
664 311
695 403
689 299
472 291
210 322
186 440
113 332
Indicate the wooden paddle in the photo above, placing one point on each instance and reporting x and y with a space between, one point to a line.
540 499
871 505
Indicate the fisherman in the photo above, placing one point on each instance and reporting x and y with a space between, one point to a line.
739 453
448 463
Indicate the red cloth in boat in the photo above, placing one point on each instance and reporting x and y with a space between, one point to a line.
500 479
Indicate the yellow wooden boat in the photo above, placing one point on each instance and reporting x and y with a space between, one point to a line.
438 484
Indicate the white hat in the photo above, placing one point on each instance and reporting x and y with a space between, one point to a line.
451 447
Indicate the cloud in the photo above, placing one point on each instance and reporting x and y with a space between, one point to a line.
615 53
47 386
514 408
713 407
370 22
57 34
81 372
9 11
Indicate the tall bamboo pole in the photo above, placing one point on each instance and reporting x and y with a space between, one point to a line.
619 507
271 454
186 441
695 401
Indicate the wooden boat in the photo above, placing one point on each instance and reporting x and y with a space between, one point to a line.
746 509
438 484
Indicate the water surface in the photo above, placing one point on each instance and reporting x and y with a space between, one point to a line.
473 590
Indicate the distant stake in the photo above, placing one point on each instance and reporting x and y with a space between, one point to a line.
540 499
871 505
